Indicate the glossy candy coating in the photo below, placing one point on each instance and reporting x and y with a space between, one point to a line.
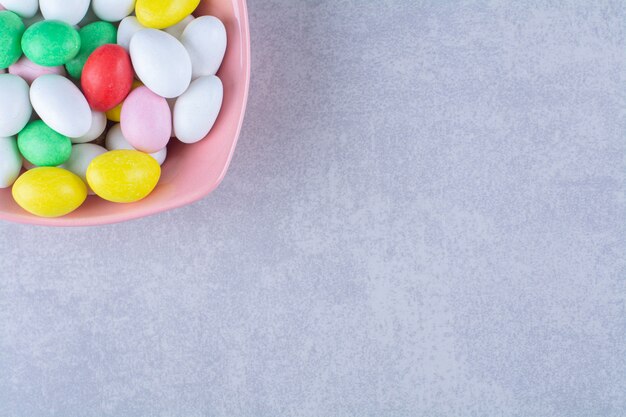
98 126
49 191
160 14
42 146
11 31
107 77
205 41
161 62
82 155
51 43
178 29
15 108
112 10
92 36
115 113
146 120
196 111
68 11
23 8
10 161
115 140
123 176
29 71
61 105
126 30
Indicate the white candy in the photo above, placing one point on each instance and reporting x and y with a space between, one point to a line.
98 124
113 10
15 108
68 11
61 105
10 162
178 29
197 109
24 8
82 155
115 140
205 41
128 27
161 62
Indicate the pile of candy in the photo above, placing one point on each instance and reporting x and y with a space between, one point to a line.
94 93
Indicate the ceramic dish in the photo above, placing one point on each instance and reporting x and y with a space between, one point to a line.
191 171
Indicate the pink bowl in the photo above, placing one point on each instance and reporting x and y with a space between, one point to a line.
191 171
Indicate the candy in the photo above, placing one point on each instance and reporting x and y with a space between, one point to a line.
197 109
161 62
115 140
113 10
205 41
146 120
49 192
42 146
29 71
92 37
50 43
10 162
107 77
68 11
159 14
71 151
24 8
115 113
61 105
123 176
15 108
178 29
82 155
11 31
127 29
98 126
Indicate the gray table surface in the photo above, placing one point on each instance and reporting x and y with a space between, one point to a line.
425 216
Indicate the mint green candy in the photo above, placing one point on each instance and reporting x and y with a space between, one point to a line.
92 37
11 31
50 43
42 146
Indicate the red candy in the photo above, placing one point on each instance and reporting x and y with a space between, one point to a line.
107 77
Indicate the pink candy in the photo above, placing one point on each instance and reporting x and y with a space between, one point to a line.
29 71
146 120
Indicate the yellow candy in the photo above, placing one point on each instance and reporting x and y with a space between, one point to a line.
115 113
49 192
160 14
123 176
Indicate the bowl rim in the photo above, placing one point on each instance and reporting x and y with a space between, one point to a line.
185 200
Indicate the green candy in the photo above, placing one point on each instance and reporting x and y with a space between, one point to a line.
50 43
42 146
92 36
11 31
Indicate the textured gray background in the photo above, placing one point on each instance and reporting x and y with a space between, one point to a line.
425 217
